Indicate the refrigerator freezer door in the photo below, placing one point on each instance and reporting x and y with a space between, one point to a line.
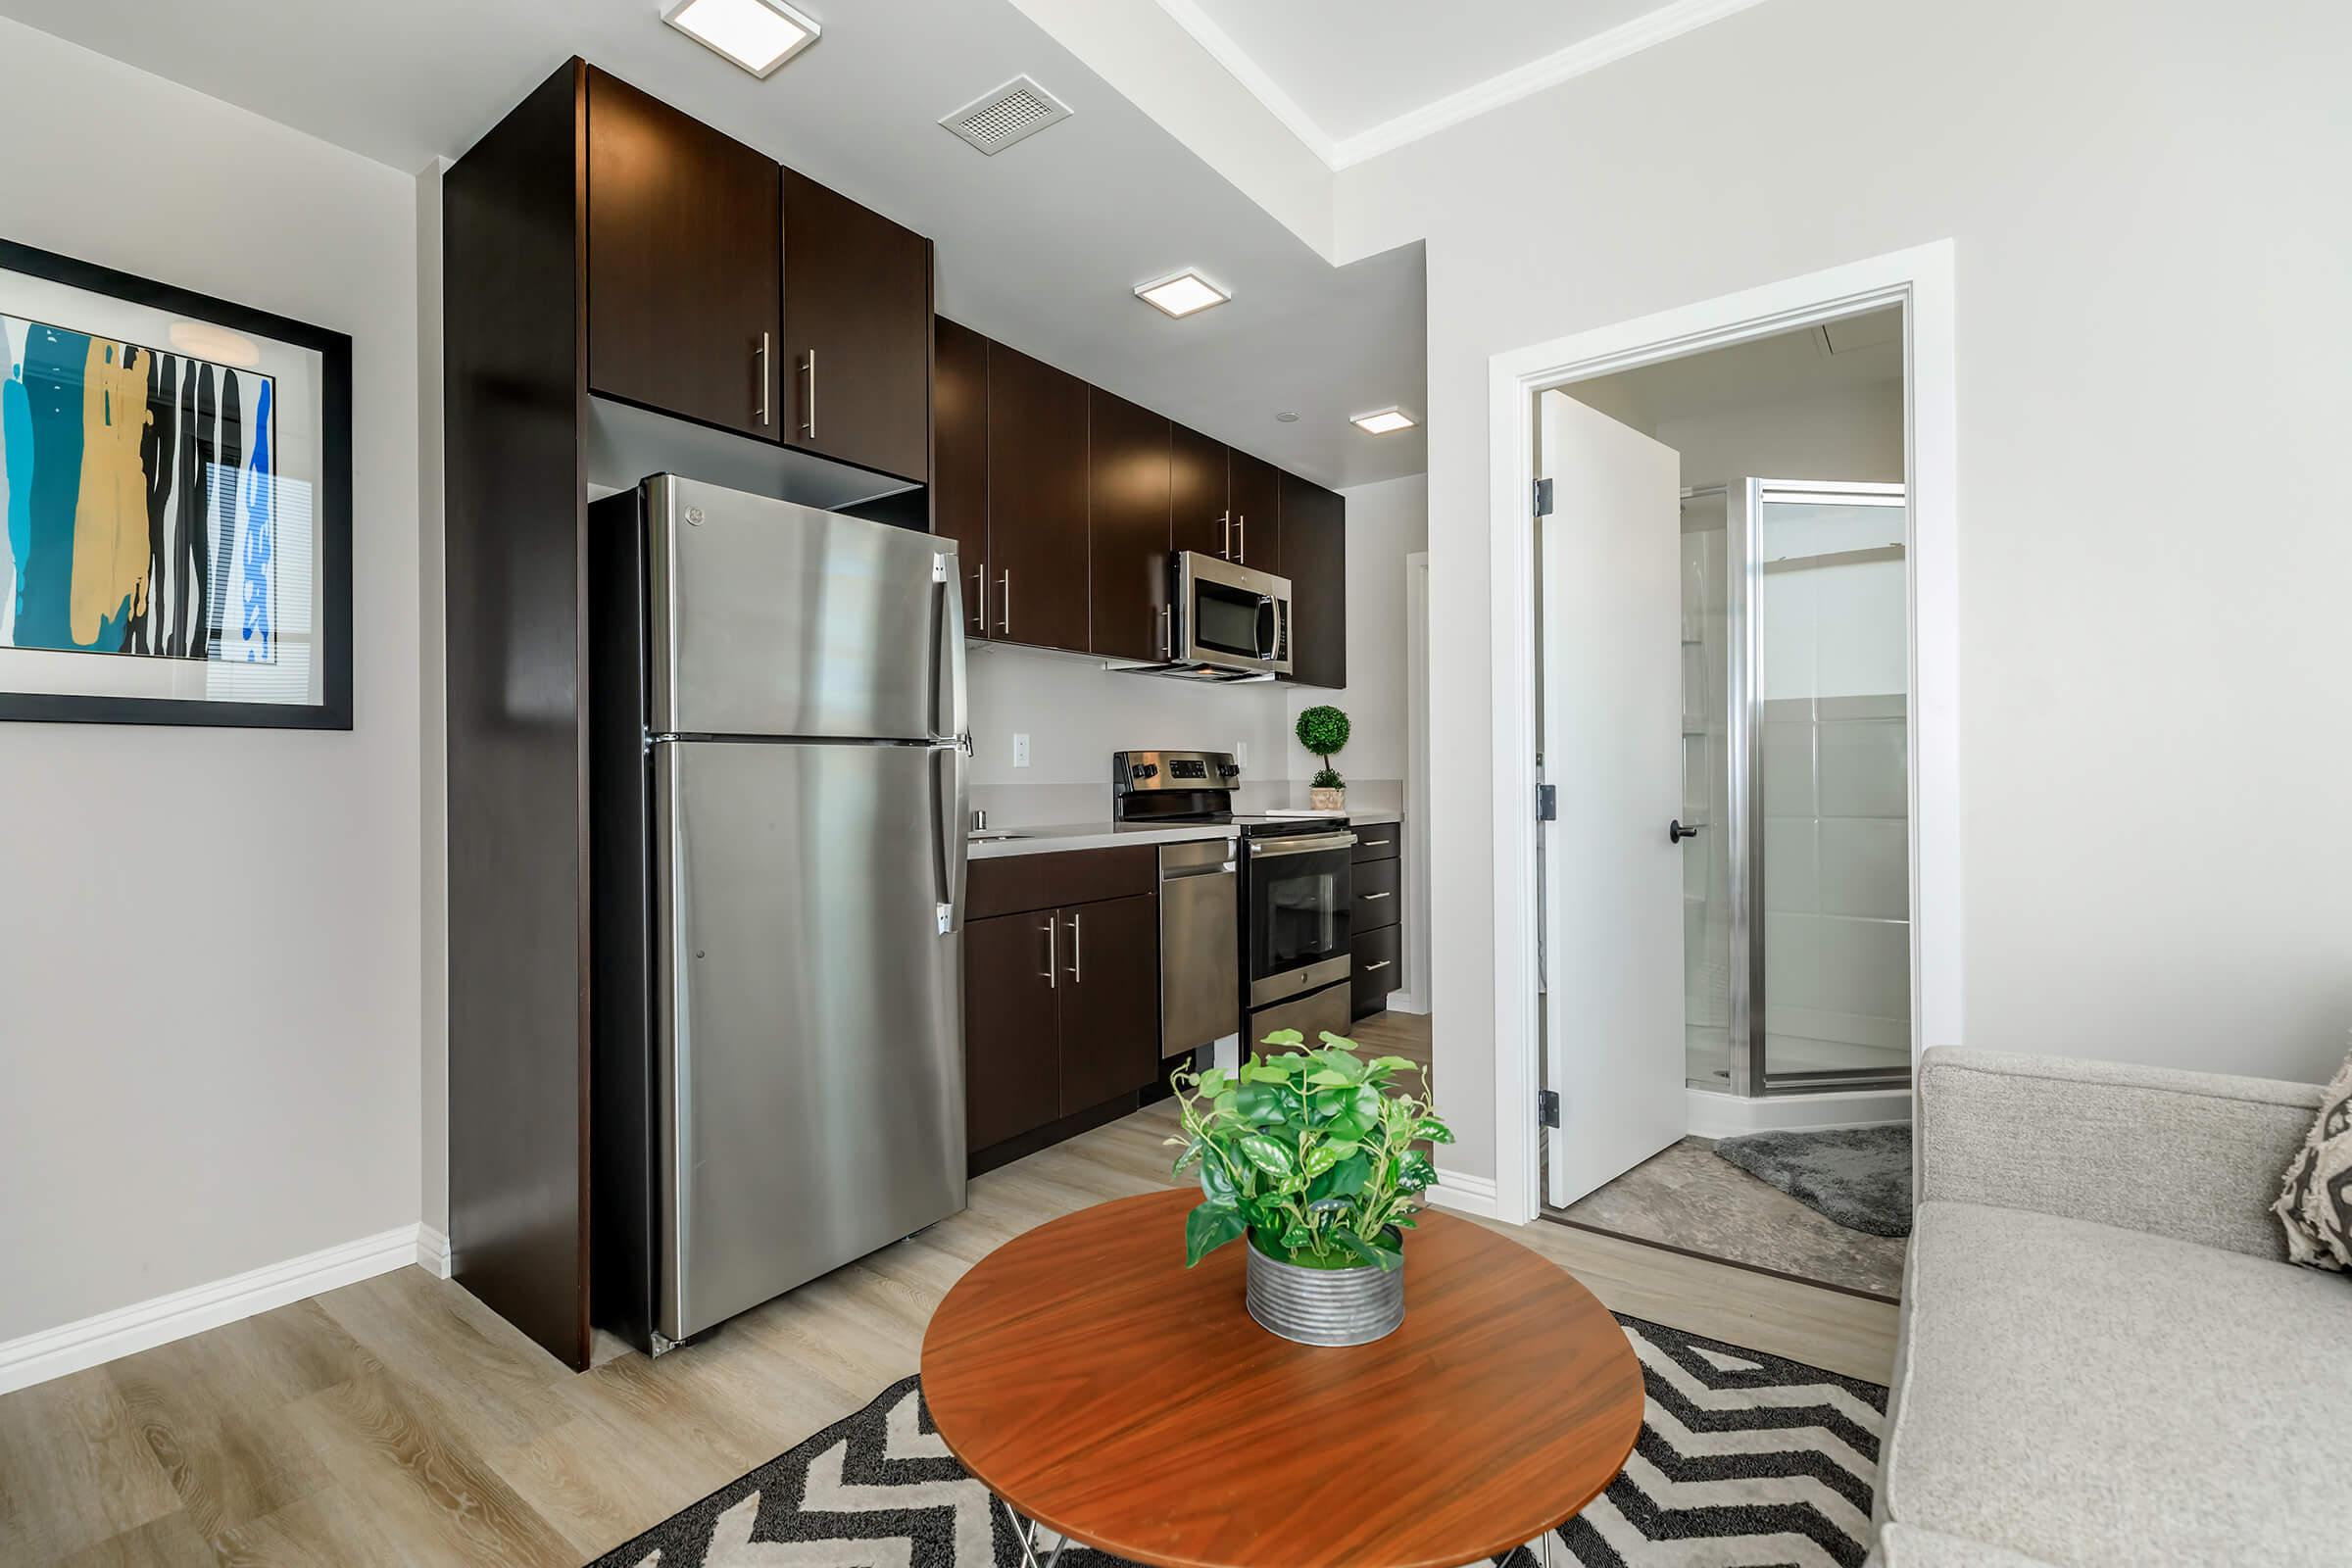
809 1032
771 619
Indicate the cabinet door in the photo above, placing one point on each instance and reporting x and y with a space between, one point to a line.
1011 1026
856 333
1109 1000
1255 487
1127 527
959 460
1314 555
1199 519
1036 502
684 264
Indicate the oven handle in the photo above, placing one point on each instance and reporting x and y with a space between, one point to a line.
1271 641
1299 846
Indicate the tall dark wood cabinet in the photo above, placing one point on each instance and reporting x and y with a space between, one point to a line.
597 246
959 460
1314 557
1037 558
1199 519
684 264
856 338
1254 489
1127 527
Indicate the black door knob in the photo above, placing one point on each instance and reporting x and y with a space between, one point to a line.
1676 832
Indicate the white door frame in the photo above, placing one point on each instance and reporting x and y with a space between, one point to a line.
1416 787
1921 280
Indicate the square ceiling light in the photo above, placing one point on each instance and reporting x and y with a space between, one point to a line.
1186 293
1385 421
756 34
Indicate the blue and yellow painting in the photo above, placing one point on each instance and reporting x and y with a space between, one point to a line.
140 502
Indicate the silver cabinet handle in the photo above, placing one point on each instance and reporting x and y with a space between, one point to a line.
763 413
1375 969
980 599
1052 949
1369 896
1241 526
1374 844
1076 976
1226 518
1167 631
1004 603
809 426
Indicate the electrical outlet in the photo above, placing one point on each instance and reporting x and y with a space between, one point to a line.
1020 750
1241 754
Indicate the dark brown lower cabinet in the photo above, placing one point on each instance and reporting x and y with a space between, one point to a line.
1060 1010
1110 1000
1011 1027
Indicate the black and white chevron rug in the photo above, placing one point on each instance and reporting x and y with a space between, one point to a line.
1744 1459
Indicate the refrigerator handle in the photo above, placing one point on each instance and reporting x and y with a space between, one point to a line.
952 798
947 672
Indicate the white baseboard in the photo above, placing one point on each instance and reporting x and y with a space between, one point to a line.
1465 1193
1406 1001
433 1254
1714 1115
94 1340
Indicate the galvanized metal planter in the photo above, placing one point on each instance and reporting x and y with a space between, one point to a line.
1323 1305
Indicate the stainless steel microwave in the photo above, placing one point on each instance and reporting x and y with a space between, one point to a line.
1226 622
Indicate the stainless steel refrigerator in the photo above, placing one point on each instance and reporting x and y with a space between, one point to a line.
777 872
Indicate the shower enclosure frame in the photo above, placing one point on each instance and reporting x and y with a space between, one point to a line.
1743 539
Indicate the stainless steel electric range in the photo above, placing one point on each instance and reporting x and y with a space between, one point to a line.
1294 887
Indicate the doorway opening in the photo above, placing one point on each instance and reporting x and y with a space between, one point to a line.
1722 709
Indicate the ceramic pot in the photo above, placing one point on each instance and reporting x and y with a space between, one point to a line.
1328 800
1324 1306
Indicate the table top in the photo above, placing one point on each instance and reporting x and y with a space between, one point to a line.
1103 1389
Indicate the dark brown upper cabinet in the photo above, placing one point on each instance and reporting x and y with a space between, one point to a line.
959 460
1199 519
1037 558
1127 527
856 333
1254 489
684 264
1314 556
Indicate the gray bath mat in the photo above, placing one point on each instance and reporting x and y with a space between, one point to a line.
1859 1176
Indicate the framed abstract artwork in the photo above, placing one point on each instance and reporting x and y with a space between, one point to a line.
176 483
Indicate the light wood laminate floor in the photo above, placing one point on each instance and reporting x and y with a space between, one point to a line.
396 1421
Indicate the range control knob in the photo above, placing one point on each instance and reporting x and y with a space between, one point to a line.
1144 770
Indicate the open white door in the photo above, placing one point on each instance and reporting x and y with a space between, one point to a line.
1612 752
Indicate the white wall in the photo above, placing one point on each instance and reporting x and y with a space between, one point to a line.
1855 435
2154 324
209 947
1386 522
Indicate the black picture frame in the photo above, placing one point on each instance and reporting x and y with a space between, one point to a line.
333 712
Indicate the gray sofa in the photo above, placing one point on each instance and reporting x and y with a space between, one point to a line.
2104 1357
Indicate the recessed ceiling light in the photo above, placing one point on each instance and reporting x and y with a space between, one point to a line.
756 34
1181 295
1385 421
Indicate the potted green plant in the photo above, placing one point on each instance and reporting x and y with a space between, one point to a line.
1323 730
1315 1156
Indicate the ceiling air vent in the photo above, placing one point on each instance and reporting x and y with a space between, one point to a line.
995 121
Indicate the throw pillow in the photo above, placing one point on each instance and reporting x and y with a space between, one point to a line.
2315 1202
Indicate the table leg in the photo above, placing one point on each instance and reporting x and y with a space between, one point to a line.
1024 1531
1548 1534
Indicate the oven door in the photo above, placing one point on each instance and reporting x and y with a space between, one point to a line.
1296 936
1233 617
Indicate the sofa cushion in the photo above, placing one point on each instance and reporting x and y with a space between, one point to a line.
2315 1201
1909 1547
2087 1395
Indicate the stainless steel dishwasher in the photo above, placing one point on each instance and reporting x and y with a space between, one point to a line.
1200 945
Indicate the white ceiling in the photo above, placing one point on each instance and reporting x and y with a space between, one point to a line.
1037 246
1786 368
1353 78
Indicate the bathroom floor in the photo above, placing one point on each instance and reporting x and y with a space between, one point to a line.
1686 1198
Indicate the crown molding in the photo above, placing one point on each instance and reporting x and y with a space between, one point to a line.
1645 31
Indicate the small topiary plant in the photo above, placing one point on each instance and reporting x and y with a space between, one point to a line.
1323 730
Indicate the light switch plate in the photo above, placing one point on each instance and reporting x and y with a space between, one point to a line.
1020 750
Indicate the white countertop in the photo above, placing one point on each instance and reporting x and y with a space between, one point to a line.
1058 836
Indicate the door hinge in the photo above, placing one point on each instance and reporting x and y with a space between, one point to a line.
1547 803
1547 1108
1543 498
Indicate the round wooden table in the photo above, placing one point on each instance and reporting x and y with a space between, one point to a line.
1097 1387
